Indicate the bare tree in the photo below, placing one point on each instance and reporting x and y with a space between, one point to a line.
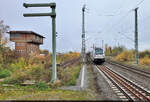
3 29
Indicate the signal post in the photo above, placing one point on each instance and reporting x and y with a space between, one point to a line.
53 16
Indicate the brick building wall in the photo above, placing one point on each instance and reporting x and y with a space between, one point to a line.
26 42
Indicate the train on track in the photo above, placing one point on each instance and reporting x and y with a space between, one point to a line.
97 55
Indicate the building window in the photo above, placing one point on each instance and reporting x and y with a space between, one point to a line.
17 35
20 51
12 35
20 44
37 37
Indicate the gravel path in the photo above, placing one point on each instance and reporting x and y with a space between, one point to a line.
141 80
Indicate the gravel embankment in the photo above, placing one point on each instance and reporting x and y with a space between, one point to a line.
141 80
104 89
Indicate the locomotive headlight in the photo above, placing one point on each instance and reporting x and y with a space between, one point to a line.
98 56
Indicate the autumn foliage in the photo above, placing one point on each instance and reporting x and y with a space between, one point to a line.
145 61
125 56
67 56
122 54
128 55
39 69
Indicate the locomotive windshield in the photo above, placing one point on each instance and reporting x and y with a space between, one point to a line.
98 51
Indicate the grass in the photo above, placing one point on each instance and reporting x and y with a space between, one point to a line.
75 75
41 91
33 93
29 94
4 73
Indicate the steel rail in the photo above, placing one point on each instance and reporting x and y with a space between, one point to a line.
131 82
70 62
131 88
118 86
141 72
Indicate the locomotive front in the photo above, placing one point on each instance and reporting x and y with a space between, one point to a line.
98 56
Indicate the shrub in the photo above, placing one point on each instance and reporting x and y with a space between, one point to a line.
56 83
75 76
38 72
145 61
45 60
17 77
68 76
33 69
21 64
108 51
1 58
65 75
117 50
67 56
35 72
4 73
125 56
145 53
42 86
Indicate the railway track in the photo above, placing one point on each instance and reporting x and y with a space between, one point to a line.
70 62
132 69
125 88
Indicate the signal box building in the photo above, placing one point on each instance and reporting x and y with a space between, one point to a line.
26 42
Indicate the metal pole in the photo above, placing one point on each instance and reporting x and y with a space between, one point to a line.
26 5
38 14
54 74
103 44
136 36
83 35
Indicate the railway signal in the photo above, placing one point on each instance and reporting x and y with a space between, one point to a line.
53 16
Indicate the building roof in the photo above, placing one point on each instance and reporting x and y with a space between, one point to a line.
25 32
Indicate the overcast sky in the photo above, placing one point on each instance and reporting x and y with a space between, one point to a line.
108 20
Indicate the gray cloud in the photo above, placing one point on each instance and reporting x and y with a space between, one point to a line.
98 26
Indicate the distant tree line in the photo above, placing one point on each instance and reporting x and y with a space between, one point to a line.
120 53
